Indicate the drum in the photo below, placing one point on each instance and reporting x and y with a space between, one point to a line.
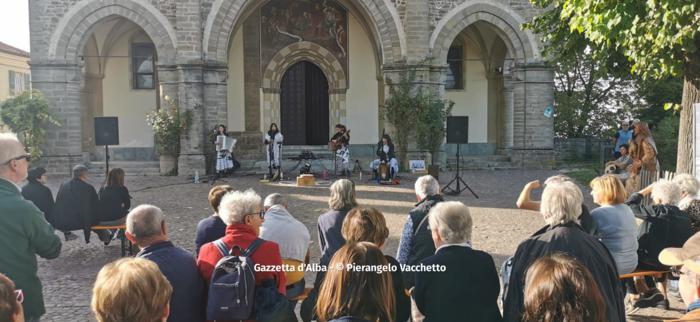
384 172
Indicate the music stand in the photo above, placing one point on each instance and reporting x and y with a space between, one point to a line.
457 132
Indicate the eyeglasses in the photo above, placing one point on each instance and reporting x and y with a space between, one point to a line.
20 296
25 156
261 214
677 271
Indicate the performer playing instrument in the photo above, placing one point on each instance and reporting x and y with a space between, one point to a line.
339 145
224 150
273 139
385 152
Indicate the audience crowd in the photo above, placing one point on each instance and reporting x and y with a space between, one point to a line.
256 252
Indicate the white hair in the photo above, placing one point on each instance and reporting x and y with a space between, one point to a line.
145 221
235 205
687 183
426 186
451 219
342 195
10 147
561 202
558 178
274 199
665 192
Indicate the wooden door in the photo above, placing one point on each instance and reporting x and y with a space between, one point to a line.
304 105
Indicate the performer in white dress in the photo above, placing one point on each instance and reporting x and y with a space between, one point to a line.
224 158
273 140
385 152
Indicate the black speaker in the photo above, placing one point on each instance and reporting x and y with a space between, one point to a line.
106 130
458 129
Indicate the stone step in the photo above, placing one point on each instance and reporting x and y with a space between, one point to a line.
482 162
131 168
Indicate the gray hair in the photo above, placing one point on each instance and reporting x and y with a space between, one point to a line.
559 178
274 199
666 192
687 183
237 204
145 221
451 219
342 195
10 147
561 202
79 170
426 186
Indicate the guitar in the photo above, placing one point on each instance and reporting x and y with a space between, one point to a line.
336 143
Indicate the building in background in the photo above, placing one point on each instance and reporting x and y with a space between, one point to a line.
14 71
303 64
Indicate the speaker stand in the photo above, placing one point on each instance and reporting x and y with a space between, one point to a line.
106 161
457 180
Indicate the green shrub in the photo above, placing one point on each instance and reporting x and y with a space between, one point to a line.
27 115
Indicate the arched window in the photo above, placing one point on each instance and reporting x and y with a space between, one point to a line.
142 62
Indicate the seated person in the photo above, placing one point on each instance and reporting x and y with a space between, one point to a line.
690 204
293 238
687 258
115 200
369 225
385 152
560 208
10 301
620 165
76 206
663 225
38 193
467 289
211 228
131 289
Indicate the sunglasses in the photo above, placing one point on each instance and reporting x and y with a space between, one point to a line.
20 296
26 156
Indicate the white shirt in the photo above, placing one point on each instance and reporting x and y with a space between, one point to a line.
467 244
385 148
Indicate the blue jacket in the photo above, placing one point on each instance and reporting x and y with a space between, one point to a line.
179 267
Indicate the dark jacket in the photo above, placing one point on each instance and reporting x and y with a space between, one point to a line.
422 243
403 302
115 202
466 291
348 319
208 230
329 236
586 221
76 207
24 233
663 226
40 195
385 156
566 238
179 267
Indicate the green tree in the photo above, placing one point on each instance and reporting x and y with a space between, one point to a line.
401 110
659 38
27 115
430 131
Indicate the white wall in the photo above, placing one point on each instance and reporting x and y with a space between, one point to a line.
119 99
236 93
472 101
363 95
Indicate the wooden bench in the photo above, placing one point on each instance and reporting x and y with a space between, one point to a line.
122 237
643 273
303 295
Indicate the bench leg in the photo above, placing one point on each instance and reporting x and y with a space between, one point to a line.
123 244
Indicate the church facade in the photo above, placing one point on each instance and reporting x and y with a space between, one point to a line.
305 65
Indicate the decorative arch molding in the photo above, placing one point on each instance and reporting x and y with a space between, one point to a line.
73 29
225 15
290 55
522 45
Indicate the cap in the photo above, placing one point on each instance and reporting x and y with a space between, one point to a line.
36 173
674 256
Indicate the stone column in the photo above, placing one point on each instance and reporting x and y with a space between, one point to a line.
190 98
60 84
506 125
418 28
533 91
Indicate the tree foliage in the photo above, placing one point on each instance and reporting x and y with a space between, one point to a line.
401 110
658 38
431 129
27 115
168 125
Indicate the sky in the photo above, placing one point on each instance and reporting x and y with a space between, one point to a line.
14 23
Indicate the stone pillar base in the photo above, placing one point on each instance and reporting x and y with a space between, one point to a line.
187 164
61 164
533 158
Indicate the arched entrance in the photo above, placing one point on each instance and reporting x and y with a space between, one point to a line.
304 105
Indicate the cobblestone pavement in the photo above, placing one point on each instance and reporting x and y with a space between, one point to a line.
498 226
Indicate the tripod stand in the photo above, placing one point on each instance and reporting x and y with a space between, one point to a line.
457 180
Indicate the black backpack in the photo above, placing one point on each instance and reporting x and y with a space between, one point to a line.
232 286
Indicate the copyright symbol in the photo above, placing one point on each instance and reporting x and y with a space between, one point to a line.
339 267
